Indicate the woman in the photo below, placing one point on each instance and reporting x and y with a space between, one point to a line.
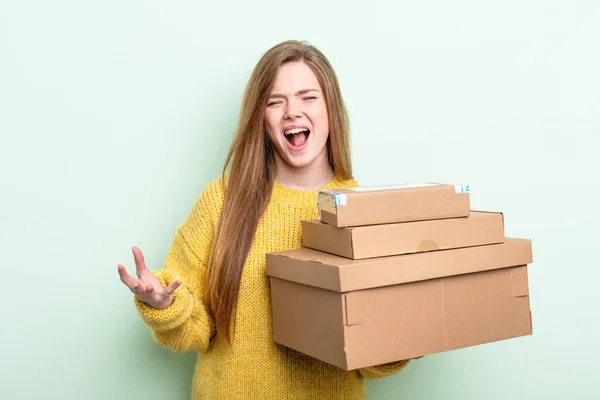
213 293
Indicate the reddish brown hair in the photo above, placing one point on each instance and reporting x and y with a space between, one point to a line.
252 171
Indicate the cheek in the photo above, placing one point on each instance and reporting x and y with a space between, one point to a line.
271 124
321 118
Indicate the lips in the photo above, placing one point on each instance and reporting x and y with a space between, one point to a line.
296 136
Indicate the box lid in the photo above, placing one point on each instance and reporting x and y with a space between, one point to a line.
479 228
394 203
327 271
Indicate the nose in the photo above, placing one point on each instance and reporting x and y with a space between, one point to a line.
292 111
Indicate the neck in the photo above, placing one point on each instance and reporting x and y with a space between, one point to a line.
309 177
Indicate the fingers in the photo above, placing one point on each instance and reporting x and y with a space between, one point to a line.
140 264
144 291
129 281
133 284
172 287
138 288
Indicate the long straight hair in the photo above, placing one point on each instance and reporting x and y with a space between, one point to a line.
251 160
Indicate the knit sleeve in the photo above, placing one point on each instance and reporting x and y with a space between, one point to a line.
187 323
383 370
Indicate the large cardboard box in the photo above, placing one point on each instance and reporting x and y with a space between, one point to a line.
480 228
391 204
360 313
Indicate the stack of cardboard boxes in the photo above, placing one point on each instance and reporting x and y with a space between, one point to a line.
393 273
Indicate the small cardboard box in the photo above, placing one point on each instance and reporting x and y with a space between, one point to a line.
360 313
391 204
479 228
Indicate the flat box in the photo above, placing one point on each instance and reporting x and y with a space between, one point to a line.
392 204
360 313
479 228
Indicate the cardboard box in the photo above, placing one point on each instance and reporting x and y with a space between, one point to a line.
391 204
360 313
480 228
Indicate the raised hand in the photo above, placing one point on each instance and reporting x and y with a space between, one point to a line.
147 287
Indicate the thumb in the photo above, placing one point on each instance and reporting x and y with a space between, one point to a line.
172 287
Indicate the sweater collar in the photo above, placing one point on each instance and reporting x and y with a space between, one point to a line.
307 197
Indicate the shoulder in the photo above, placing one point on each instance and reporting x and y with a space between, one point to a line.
199 227
213 194
206 210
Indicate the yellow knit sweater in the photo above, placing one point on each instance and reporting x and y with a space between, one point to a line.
254 367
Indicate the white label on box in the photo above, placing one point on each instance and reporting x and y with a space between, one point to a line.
462 188
407 185
329 200
327 203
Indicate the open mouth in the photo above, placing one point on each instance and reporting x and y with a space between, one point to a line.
297 137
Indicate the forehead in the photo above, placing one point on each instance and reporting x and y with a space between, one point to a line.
293 77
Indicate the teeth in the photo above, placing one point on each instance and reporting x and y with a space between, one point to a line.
293 131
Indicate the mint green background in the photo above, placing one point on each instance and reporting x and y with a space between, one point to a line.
115 114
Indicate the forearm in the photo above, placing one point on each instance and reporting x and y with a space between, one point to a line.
194 334
186 324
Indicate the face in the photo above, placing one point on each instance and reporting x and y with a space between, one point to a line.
296 117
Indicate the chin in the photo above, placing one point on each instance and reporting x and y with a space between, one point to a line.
299 162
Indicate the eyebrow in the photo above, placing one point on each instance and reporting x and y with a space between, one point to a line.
300 92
